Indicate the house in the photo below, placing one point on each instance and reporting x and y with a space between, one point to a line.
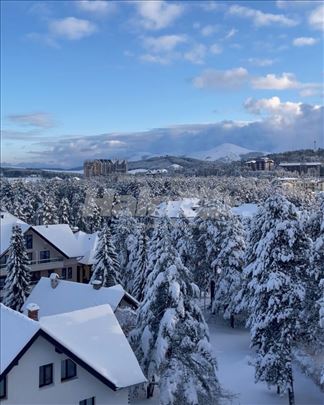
80 357
55 296
51 248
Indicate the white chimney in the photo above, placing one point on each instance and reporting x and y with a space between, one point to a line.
32 310
96 284
54 277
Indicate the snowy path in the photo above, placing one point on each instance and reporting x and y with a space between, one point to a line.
231 347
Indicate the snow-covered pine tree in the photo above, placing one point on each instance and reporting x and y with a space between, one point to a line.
125 238
64 211
183 239
171 337
49 212
106 266
277 291
17 283
229 264
141 265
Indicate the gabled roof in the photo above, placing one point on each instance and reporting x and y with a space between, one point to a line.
7 221
95 337
15 332
71 296
91 337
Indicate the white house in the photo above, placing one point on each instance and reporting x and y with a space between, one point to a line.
80 358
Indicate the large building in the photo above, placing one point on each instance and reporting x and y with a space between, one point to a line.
263 164
104 167
302 168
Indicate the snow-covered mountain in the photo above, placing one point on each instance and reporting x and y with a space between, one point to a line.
226 151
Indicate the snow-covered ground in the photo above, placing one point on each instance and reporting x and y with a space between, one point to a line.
231 347
236 375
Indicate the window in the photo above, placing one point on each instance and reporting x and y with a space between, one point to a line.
29 241
3 260
69 272
2 282
44 256
46 375
89 401
3 387
68 369
64 273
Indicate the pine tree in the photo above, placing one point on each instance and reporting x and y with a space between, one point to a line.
141 265
17 283
277 291
49 212
64 211
183 239
171 337
106 266
229 264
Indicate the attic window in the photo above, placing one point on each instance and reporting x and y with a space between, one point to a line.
88 401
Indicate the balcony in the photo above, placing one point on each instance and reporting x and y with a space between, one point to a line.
45 264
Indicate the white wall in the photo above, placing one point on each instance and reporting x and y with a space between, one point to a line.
23 382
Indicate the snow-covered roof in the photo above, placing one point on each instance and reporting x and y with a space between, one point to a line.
15 332
71 296
7 221
61 236
173 209
87 244
95 336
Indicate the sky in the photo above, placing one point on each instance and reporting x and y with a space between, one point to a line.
85 79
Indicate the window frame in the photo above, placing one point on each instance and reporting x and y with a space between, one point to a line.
63 273
47 258
64 367
42 375
69 273
4 381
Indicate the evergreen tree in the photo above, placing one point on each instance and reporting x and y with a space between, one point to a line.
277 291
229 263
17 283
64 211
106 266
49 212
183 239
171 337
141 265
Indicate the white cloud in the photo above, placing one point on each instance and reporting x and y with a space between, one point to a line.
196 54
260 18
152 58
274 82
261 62
209 30
304 41
271 105
294 3
218 79
37 119
216 49
231 33
99 7
71 28
155 15
316 18
163 43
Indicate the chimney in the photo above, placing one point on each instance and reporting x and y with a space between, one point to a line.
32 310
54 278
96 284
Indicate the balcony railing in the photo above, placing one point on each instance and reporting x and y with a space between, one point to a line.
33 262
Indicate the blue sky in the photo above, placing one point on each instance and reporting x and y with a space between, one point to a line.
76 75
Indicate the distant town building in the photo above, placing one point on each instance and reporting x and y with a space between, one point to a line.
104 167
302 168
262 163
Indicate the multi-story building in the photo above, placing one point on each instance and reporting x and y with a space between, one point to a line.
302 168
51 249
104 167
262 164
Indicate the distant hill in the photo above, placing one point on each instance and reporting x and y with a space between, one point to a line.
304 155
226 152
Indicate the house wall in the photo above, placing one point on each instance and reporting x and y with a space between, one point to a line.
23 382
